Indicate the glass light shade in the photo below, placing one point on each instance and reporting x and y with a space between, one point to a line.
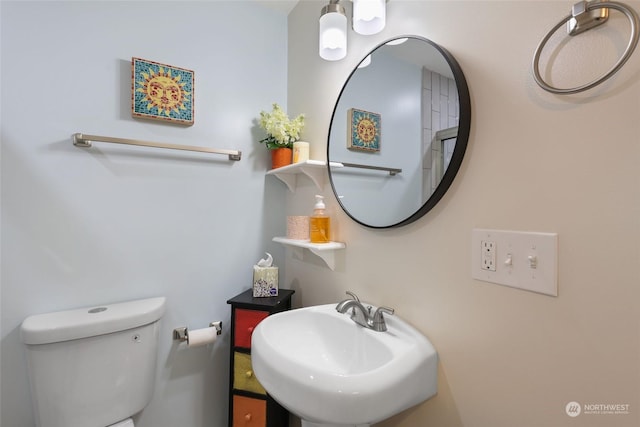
397 41
365 62
369 16
333 36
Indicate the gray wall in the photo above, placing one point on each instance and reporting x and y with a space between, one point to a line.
392 89
84 227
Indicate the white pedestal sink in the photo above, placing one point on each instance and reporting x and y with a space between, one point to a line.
330 371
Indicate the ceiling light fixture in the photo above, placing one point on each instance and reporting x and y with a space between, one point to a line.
333 32
365 62
369 16
397 41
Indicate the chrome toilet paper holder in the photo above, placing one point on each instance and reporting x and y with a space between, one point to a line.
182 334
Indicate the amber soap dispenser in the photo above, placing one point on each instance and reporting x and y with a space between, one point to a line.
319 223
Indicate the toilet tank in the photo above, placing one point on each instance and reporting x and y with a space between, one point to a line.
94 366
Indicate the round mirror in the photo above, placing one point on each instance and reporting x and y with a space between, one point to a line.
398 132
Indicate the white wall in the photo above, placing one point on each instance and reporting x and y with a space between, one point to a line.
440 111
535 162
82 227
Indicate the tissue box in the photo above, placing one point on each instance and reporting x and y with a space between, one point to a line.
265 281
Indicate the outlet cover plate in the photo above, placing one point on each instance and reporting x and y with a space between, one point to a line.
524 260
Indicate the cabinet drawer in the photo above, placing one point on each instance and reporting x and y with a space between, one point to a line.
248 412
243 376
245 322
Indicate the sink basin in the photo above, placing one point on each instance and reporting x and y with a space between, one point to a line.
328 370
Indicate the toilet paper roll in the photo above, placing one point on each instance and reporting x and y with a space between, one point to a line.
200 337
125 423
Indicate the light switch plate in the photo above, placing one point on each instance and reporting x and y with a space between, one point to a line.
524 260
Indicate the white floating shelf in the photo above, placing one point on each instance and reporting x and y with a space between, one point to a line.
326 251
314 169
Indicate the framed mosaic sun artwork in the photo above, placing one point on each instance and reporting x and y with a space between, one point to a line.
161 92
364 130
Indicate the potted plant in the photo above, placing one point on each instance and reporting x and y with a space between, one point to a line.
282 132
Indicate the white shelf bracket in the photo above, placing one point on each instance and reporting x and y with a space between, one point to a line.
326 251
314 169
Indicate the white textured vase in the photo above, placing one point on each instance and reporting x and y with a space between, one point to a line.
300 151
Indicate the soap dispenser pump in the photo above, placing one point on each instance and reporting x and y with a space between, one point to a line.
319 223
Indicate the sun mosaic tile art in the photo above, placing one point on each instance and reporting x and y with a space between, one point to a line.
161 92
364 130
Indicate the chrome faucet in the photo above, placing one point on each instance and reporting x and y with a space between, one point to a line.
361 315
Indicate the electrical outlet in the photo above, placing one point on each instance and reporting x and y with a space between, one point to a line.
488 249
518 259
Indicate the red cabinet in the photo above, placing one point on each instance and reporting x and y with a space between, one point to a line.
245 322
249 404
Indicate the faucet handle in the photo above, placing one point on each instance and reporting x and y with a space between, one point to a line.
352 295
378 323
381 310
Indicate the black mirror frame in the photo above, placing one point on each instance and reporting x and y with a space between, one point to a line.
464 127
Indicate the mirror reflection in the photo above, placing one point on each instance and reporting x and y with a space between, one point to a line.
398 132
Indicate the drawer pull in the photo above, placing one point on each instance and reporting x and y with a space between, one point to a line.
248 417
249 374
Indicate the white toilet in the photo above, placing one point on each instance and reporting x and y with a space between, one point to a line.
93 367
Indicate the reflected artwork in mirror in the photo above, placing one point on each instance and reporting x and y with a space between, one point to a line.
416 113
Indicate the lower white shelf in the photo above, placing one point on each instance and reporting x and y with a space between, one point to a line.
326 251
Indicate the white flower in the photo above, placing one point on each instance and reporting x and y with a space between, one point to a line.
281 131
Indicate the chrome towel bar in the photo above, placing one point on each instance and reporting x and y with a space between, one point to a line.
83 140
392 171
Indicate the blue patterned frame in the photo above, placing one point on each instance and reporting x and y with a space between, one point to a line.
174 84
356 139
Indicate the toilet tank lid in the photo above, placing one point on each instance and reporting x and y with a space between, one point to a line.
90 321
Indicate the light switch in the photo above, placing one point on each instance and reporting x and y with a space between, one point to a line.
525 260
